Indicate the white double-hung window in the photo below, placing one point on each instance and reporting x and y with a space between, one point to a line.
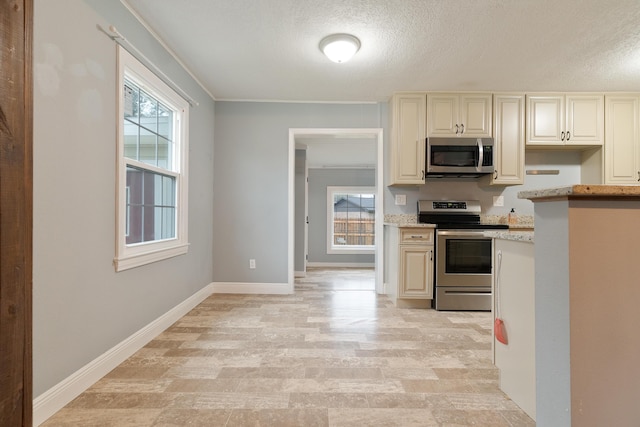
151 222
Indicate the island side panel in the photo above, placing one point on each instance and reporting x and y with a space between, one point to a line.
553 380
604 297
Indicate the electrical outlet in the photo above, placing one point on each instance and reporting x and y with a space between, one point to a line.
401 199
252 263
498 200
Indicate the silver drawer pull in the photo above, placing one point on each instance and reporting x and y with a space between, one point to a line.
417 237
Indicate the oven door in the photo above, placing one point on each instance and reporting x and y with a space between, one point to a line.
463 258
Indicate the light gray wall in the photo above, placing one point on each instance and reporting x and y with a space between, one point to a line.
300 217
251 180
319 180
81 307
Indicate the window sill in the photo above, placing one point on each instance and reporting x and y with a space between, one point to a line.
127 262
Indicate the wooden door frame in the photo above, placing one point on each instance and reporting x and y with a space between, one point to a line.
16 212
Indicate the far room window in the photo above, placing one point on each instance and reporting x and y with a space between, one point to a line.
152 167
351 220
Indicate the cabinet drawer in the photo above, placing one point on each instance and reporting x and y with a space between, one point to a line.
416 235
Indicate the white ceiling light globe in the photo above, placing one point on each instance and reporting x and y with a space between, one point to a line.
340 47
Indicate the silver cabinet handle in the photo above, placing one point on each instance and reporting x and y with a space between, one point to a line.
462 127
562 136
568 135
495 174
417 237
638 176
457 129
430 255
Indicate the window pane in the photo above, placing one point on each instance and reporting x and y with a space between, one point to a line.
165 122
131 101
131 140
148 112
163 153
354 219
152 206
147 147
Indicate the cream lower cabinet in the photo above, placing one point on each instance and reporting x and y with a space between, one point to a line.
408 116
416 271
409 265
508 129
622 147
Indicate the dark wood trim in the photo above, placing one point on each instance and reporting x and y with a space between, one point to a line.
16 212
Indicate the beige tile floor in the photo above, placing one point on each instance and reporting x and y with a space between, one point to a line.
332 354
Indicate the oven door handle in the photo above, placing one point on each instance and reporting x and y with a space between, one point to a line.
461 233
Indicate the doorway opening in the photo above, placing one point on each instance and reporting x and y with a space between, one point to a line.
351 144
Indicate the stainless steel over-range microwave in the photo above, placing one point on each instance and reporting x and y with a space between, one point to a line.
461 157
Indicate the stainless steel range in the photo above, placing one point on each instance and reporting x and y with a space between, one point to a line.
463 254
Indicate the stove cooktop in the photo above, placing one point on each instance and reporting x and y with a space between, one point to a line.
450 215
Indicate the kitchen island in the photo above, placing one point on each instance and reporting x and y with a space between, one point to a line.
587 288
514 302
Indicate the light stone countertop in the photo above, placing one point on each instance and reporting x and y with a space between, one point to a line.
409 225
518 236
404 220
583 191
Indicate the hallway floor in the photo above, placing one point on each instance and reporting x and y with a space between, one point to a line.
332 354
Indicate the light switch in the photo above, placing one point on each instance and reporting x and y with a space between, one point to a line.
401 199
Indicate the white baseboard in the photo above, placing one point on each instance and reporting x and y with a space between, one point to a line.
299 274
251 288
341 264
54 399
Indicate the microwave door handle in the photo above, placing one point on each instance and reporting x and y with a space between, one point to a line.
480 154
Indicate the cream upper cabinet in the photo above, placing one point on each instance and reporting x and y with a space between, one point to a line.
508 131
565 120
408 116
450 114
622 147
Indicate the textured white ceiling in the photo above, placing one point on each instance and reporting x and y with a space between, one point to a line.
268 49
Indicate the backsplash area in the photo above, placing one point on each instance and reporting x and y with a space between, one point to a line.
567 162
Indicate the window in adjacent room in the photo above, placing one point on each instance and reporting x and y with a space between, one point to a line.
351 220
152 167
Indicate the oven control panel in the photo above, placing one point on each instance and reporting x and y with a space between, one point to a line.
450 205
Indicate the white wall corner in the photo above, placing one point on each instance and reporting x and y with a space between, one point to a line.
54 399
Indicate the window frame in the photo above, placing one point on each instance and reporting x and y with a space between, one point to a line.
134 255
346 249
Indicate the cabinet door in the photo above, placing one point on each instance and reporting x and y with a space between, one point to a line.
545 120
508 151
475 115
408 139
442 115
622 149
416 272
585 120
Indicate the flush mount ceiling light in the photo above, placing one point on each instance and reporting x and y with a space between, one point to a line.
339 47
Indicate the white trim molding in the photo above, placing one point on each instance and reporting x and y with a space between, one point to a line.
54 399
251 288
374 133
341 264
